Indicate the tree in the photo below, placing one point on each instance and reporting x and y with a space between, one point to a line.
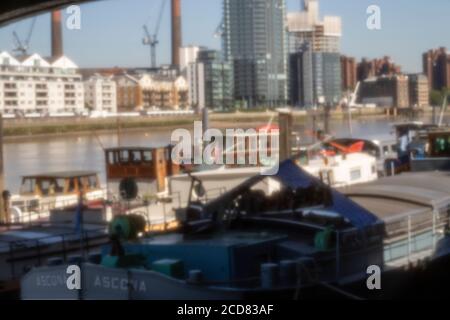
437 97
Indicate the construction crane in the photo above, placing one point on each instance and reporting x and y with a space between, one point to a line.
151 40
219 30
22 47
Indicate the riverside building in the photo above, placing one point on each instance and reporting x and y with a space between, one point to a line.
32 84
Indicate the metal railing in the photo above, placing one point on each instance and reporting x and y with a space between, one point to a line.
407 238
32 210
34 252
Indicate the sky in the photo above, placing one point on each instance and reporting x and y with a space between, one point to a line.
111 31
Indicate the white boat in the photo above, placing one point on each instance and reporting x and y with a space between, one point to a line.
41 193
344 170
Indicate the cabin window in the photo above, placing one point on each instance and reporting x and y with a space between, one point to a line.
148 156
46 187
135 157
72 187
28 186
355 174
83 184
386 150
92 182
124 156
58 186
167 154
111 157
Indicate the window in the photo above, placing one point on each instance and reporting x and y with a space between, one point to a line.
92 180
124 156
111 157
59 185
72 186
46 187
355 174
148 156
136 156
28 186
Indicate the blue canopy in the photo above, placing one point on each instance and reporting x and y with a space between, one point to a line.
293 176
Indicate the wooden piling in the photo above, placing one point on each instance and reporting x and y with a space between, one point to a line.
4 216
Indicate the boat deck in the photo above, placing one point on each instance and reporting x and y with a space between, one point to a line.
394 197
32 236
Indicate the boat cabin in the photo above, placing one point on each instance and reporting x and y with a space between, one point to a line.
64 183
142 164
382 149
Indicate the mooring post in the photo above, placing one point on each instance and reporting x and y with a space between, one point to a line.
285 120
4 216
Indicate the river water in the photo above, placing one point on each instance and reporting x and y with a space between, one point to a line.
84 152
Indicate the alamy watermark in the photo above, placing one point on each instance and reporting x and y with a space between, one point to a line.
374 17
235 147
374 280
73 20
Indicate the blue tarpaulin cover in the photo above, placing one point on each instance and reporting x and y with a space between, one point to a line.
294 177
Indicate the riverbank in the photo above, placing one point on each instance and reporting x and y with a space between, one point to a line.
24 129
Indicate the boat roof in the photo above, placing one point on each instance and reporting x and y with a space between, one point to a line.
135 148
62 175
371 137
392 197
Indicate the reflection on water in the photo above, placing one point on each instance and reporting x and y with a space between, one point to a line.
85 152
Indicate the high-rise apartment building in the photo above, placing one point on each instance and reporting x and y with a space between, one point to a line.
306 27
314 59
315 78
436 66
32 84
210 81
254 41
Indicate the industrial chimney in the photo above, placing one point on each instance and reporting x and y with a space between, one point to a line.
176 32
57 39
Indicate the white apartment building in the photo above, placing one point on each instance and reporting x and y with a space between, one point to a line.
188 55
195 76
101 94
32 84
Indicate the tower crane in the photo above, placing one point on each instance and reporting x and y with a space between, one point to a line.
22 47
151 40
219 30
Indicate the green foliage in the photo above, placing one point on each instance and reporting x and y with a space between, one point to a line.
437 97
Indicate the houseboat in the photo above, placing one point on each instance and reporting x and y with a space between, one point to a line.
60 239
254 243
41 193
421 147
